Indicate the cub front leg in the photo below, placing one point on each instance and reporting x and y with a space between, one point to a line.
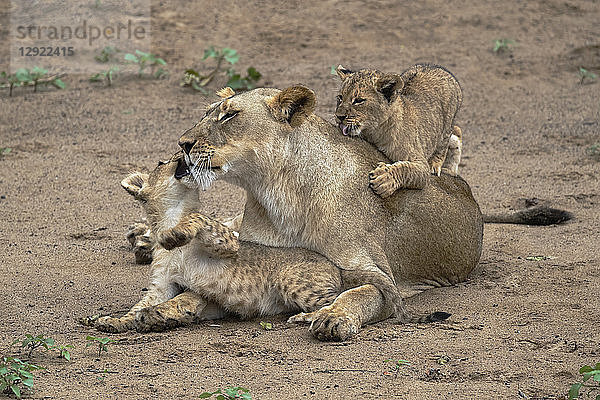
215 237
126 322
387 178
183 309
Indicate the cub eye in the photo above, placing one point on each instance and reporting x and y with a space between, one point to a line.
358 100
339 100
227 116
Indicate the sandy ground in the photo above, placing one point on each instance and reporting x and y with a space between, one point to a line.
519 328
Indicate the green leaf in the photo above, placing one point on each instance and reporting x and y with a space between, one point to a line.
28 382
221 397
161 61
574 391
58 83
26 374
141 53
210 53
131 57
23 75
253 74
16 391
205 395
333 70
585 368
230 55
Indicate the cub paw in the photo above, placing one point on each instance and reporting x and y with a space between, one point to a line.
381 180
150 319
140 238
329 324
301 318
436 168
111 325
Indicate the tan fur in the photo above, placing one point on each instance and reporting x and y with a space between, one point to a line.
304 190
208 271
409 117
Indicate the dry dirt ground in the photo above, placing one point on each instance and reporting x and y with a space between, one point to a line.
519 328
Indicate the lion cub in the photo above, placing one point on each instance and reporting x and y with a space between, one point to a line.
409 117
200 270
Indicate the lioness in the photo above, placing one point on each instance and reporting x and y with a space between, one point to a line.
303 189
409 117
200 269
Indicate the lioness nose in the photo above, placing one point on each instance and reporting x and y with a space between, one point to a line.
186 145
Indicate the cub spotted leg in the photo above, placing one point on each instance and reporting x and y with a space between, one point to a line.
454 152
126 322
183 309
214 237
387 178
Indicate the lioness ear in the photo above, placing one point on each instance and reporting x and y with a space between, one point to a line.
292 105
342 72
389 85
134 183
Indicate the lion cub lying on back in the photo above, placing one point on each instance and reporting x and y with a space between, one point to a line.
200 270
409 117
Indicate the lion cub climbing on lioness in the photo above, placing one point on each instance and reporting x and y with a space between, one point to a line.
409 117
200 270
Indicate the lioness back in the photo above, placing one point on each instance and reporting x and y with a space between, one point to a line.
408 116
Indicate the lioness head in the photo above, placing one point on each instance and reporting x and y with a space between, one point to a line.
240 130
166 193
364 99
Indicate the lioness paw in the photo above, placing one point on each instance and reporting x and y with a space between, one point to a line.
329 324
382 181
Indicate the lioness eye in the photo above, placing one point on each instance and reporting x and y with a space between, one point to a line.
226 117
358 101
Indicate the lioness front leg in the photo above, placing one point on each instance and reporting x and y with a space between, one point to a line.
387 178
352 309
212 235
183 309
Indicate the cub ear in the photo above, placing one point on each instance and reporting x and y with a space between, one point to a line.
342 72
134 183
293 105
389 86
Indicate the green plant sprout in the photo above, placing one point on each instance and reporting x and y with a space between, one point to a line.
587 372
101 342
267 326
230 393
35 77
5 151
235 80
503 45
144 60
63 351
585 74
397 365
106 54
107 75
33 342
16 375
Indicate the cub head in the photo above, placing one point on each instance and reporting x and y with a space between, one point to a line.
166 193
243 132
364 100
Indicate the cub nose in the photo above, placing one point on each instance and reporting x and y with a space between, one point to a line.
186 145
